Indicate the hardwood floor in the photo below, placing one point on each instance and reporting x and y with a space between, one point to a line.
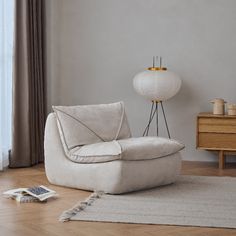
42 219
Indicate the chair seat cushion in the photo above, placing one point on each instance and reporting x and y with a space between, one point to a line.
131 149
144 148
97 152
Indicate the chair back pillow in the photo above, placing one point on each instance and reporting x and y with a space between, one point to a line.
88 124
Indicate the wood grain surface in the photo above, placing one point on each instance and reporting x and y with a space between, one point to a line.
36 219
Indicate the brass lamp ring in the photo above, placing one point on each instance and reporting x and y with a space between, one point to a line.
157 68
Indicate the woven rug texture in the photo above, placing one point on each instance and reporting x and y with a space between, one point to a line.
191 201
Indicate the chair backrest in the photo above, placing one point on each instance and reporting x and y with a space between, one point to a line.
87 124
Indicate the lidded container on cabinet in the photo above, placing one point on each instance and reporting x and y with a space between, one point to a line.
218 106
231 109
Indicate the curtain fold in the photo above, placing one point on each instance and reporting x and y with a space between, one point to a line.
29 87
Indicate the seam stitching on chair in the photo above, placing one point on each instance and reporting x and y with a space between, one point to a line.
80 123
121 120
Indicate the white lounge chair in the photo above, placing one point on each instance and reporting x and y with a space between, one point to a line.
90 147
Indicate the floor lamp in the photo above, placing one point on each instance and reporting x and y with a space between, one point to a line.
157 84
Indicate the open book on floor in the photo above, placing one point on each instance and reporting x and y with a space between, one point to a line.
34 194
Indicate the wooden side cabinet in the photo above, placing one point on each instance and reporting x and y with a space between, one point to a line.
216 133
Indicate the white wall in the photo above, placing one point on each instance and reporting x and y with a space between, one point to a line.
95 47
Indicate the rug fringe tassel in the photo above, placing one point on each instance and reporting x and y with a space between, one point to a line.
66 215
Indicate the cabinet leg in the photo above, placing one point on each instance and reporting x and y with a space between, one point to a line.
221 160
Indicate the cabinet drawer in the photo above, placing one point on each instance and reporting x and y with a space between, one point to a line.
217 141
217 121
217 125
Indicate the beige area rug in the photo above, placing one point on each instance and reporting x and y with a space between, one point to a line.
191 201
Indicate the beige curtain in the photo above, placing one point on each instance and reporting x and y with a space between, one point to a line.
28 84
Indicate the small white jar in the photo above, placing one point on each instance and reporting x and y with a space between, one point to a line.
231 109
218 106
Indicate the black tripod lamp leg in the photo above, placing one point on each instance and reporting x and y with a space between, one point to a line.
149 122
165 119
157 116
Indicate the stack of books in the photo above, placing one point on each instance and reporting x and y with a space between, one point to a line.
34 194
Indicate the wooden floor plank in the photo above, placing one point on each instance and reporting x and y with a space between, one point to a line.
42 219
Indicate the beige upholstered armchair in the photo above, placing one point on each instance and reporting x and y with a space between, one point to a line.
90 147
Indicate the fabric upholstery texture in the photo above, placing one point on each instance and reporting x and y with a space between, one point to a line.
113 174
97 152
142 148
82 125
100 133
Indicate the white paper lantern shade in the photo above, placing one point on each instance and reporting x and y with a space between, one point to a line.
157 85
